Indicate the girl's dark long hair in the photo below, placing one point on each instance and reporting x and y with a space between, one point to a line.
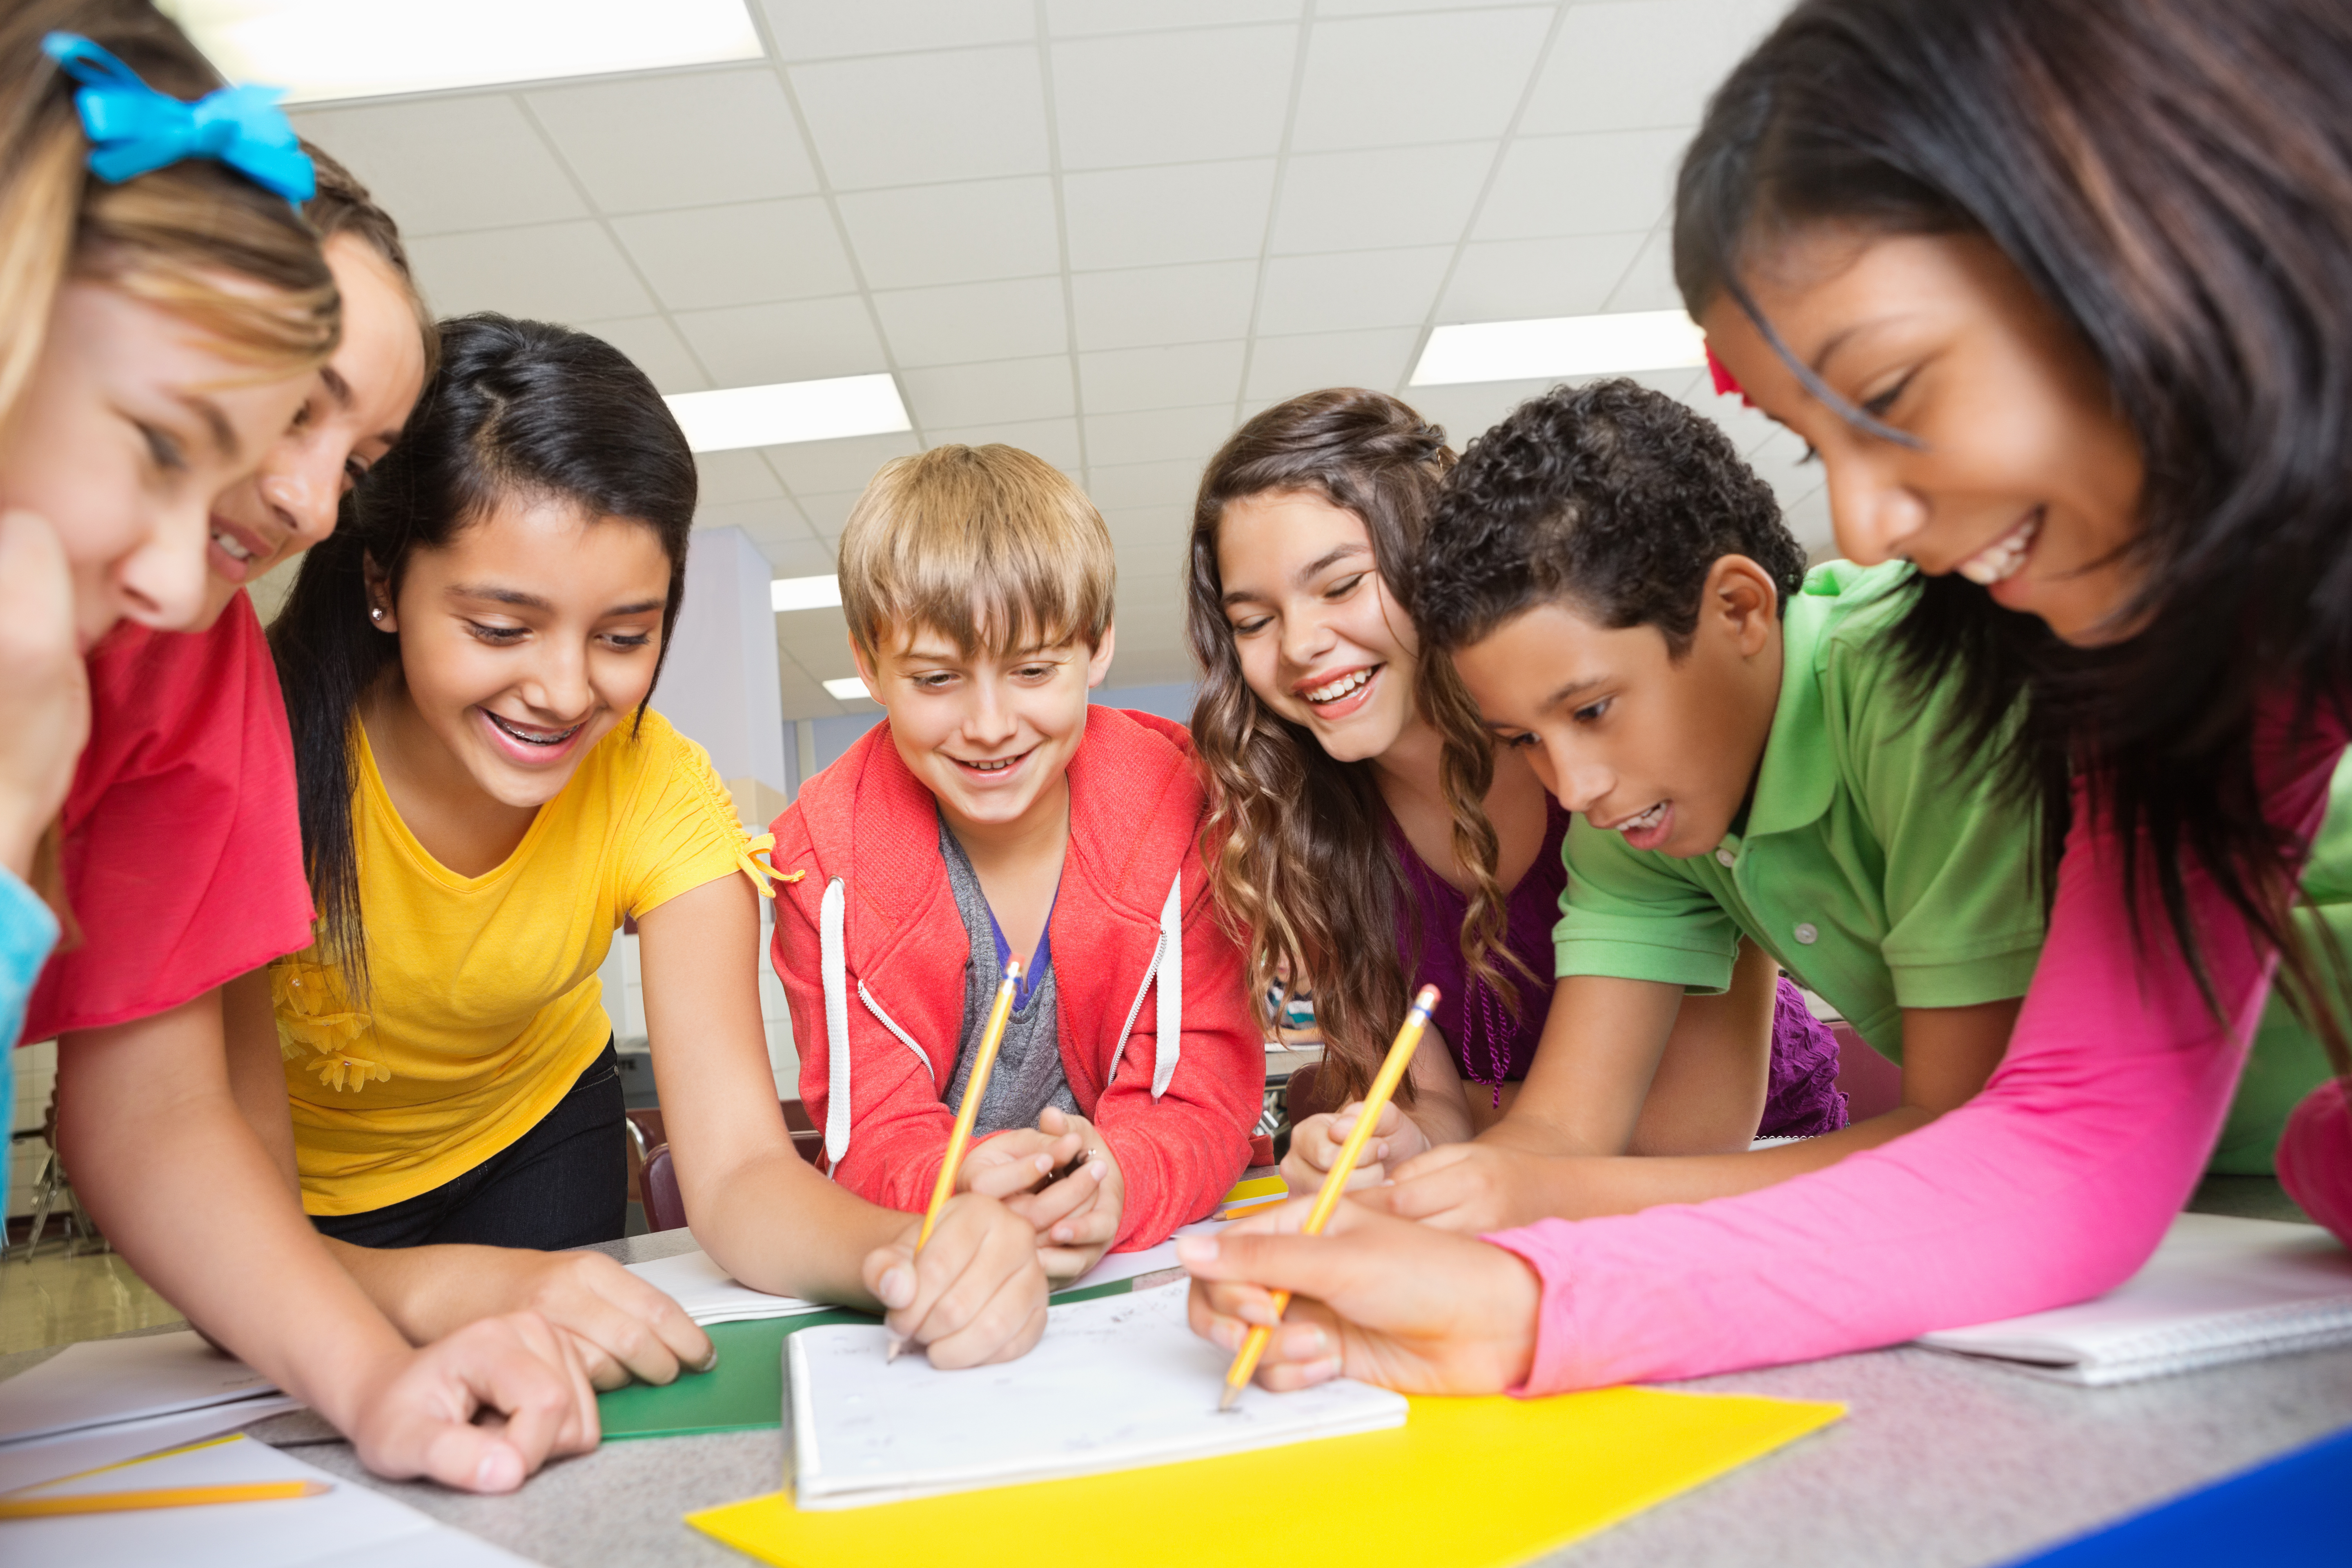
2174 177
1296 841
517 409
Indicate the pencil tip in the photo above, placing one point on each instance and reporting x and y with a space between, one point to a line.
1226 1400
891 1353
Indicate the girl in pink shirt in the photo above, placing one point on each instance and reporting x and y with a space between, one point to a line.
2087 362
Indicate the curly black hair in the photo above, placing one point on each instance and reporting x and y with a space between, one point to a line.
1611 497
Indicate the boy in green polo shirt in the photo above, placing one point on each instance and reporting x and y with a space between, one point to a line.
1748 760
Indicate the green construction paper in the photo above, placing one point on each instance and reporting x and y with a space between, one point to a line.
745 1392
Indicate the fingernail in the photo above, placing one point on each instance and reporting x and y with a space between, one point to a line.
1307 1340
897 1289
1196 1249
1045 1163
1322 1371
499 1471
1060 1233
709 1360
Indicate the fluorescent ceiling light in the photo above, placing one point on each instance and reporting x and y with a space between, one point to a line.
804 593
322 49
1560 346
789 411
849 688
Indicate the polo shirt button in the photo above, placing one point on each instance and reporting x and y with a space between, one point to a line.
1725 857
1806 933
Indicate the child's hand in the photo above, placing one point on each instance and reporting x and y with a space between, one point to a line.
1315 1147
45 701
1477 1187
1378 1299
480 1410
620 1326
976 1292
1016 1160
1076 1218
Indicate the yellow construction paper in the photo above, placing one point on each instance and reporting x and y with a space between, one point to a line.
1465 1483
1257 1188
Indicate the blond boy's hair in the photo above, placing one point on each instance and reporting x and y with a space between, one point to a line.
990 546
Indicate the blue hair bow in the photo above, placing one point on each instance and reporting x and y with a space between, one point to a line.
135 130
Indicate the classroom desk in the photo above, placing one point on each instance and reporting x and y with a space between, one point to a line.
1938 1462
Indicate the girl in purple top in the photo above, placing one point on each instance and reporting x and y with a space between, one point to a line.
1337 849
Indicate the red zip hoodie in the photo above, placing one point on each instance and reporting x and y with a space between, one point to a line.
1177 1114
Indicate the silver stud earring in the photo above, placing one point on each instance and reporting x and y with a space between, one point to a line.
375 614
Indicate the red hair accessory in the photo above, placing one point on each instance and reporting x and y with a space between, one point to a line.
1725 380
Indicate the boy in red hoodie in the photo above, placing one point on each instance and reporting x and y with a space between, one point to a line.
995 814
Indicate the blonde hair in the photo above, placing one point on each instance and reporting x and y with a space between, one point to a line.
990 546
192 238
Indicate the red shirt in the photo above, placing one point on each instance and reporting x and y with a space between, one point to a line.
182 853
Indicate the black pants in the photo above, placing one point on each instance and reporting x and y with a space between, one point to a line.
565 1183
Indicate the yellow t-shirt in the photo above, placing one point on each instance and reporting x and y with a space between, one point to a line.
483 1005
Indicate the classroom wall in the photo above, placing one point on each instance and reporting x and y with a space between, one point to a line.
720 684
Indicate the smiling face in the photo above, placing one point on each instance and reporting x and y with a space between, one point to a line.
351 415
989 735
2025 479
1320 641
526 639
132 424
1660 749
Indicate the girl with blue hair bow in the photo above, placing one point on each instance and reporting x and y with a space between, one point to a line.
163 309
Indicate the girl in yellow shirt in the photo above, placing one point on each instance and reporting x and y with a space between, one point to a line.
484 795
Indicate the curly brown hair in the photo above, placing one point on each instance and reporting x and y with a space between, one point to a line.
1296 841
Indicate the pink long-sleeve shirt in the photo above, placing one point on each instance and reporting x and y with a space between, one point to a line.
2052 1185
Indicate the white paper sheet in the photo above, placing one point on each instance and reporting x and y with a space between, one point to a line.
2219 1290
103 1381
348 1527
1116 1383
710 1295
29 1461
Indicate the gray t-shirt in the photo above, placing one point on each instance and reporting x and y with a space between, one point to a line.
1028 1077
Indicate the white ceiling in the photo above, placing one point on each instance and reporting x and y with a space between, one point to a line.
1105 230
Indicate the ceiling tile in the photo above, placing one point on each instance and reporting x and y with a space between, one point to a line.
968 232
1166 435
446 165
1173 98
1125 379
1362 289
1390 7
993 393
969 321
1607 182
818 640
1284 367
1649 282
824 29
1055 440
557 272
752 345
1358 201
1150 539
910 120
828 511
656 349
694 139
1470 411
1147 305
1391 81
1122 486
708 256
729 477
774 517
1078 18
806 556
1149 218
823 468
1516 279
1621 66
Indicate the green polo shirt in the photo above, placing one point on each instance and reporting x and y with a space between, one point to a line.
1877 873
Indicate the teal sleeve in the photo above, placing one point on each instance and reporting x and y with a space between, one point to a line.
1630 915
1964 917
27 931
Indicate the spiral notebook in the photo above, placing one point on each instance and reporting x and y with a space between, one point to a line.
2219 1290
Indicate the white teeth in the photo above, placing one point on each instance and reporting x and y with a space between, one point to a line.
231 548
997 766
1649 818
2003 556
1339 688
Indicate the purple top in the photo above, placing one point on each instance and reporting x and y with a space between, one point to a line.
1801 1097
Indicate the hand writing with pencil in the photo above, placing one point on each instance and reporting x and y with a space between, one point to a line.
974 1292
1315 1146
1381 1299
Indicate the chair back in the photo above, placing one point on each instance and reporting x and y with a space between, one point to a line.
664 1204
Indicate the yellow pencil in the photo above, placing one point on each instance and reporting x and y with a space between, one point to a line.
974 1089
1335 1180
157 1497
